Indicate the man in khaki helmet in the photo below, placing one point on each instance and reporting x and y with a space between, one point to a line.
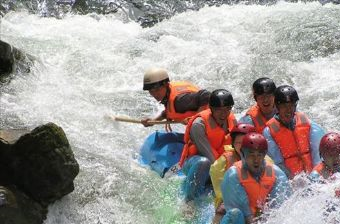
181 99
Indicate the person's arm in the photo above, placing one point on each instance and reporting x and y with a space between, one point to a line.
246 119
281 189
191 101
234 195
314 176
160 117
199 137
316 133
217 170
274 152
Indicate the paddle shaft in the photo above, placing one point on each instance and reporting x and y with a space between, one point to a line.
136 121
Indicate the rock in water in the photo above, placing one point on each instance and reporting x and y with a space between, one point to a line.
43 165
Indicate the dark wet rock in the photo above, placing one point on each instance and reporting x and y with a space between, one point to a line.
14 5
36 169
6 58
145 12
18 208
43 164
80 6
13 60
2 10
149 12
5 175
12 135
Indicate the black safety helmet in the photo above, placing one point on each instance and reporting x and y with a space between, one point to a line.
221 98
285 94
263 85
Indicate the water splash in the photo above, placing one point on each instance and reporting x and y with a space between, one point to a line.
93 65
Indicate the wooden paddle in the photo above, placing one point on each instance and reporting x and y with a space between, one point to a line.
137 121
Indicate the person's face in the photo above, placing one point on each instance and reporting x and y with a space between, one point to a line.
220 114
286 111
331 161
238 143
265 102
158 93
254 160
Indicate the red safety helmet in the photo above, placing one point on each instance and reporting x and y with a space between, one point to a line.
242 128
330 144
254 141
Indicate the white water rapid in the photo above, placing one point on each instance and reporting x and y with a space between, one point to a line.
91 66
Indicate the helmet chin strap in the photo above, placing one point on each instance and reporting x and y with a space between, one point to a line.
165 99
290 125
221 125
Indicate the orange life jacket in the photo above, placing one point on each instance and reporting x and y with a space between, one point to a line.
216 135
294 145
257 191
257 117
177 88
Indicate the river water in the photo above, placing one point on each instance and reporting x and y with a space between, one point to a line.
92 66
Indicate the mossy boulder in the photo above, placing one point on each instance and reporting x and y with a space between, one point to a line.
42 164
36 168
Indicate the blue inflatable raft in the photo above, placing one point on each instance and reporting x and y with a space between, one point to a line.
162 151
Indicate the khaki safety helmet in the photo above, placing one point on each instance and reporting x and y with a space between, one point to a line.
154 78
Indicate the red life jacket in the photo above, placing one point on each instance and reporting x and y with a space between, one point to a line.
257 191
294 145
216 135
257 117
177 88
